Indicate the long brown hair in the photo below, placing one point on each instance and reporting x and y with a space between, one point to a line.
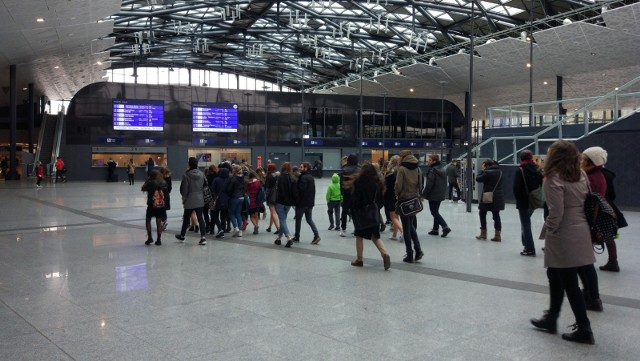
563 159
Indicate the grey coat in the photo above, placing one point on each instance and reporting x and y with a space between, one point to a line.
566 231
491 180
191 189
435 187
452 173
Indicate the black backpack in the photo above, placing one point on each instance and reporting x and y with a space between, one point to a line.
602 220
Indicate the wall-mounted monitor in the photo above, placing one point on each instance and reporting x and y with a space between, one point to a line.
215 117
138 114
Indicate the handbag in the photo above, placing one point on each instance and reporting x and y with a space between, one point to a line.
487 197
367 216
536 196
409 207
206 192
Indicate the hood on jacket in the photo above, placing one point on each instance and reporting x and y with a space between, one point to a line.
223 173
335 178
194 174
410 162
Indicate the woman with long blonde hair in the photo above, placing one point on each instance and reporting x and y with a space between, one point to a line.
390 198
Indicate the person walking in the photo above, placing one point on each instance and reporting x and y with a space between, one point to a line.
236 190
219 193
390 199
334 200
256 200
150 165
285 198
60 169
407 186
527 178
365 186
434 191
348 170
453 173
305 201
131 171
192 199
567 238
39 173
157 192
165 173
271 193
612 249
491 178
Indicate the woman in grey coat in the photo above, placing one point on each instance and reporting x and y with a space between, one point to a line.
435 189
567 239
491 179
193 182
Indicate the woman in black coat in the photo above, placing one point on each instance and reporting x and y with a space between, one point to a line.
491 179
364 188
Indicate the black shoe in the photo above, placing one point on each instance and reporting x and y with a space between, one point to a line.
611 267
212 231
316 240
276 232
289 244
433 232
203 242
269 230
192 228
528 253
158 243
582 334
220 235
408 258
331 228
382 227
419 255
548 322
196 229
148 242
387 222
277 242
295 239
594 304
445 232
180 237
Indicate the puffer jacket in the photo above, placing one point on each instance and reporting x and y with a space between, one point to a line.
408 179
435 188
333 191
191 189
532 178
491 180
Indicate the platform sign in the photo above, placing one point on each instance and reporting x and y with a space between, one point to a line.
138 114
215 117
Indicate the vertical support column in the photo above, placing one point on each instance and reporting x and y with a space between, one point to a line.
559 83
13 91
31 118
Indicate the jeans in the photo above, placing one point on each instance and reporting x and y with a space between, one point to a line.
282 212
186 218
308 216
563 280
497 224
525 229
410 235
235 211
434 207
346 211
451 187
334 208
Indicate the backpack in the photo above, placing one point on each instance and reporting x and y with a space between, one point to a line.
158 198
602 219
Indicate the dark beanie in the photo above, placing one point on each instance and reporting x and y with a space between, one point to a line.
193 163
526 155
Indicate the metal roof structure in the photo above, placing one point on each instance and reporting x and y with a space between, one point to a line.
385 46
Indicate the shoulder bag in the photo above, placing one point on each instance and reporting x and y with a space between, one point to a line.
367 216
487 197
536 196
411 206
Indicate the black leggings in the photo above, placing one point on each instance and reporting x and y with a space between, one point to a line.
186 219
563 280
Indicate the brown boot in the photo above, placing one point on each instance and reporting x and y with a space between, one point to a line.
497 237
483 235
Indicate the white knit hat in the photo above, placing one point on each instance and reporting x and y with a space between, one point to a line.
597 155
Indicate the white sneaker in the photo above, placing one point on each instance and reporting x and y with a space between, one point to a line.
343 234
392 238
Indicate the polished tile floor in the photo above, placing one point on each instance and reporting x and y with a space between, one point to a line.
77 283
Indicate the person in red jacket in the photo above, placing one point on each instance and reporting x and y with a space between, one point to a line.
60 169
39 173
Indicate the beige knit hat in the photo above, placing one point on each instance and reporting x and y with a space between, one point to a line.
597 155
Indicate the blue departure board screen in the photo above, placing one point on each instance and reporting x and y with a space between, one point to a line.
138 114
215 117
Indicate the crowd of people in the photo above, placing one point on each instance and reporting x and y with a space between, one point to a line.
226 198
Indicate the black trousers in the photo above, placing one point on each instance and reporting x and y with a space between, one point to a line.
565 280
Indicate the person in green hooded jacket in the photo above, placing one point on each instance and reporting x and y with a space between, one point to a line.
334 201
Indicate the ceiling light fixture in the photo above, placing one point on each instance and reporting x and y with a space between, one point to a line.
56 67
205 84
411 90
99 62
40 20
528 65
545 82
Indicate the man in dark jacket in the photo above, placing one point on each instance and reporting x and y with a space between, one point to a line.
305 202
527 173
348 171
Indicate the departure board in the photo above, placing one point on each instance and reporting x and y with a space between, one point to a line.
138 114
215 117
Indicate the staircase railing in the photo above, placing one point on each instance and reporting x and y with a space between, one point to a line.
626 96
